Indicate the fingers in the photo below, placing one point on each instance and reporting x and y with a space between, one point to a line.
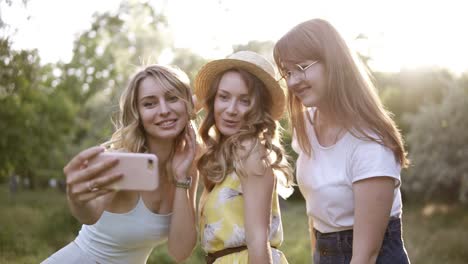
192 132
190 140
89 196
82 158
102 182
91 171
81 192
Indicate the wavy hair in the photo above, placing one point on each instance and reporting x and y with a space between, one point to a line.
350 94
129 133
222 156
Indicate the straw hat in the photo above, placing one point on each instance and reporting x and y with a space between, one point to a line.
251 62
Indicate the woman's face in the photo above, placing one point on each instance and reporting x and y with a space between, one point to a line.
163 114
306 80
232 102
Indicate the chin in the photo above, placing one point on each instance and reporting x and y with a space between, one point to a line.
309 102
168 135
227 132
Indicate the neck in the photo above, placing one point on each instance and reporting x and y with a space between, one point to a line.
327 128
162 149
324 118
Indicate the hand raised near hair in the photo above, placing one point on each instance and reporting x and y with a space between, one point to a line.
84 183
184 155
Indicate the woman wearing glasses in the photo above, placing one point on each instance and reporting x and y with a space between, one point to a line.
350 150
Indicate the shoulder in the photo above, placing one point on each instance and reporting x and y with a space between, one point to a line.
366 142
364 135
251 147
253 157
369 148
367 145
370 158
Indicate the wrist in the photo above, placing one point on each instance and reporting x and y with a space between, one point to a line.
185 182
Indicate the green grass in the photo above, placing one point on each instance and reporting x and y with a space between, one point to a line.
35 224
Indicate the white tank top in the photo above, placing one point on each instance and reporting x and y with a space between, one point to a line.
124 238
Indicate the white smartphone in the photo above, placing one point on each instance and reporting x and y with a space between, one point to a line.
140 170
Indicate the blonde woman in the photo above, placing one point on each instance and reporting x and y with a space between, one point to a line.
240 216
350 151
124 226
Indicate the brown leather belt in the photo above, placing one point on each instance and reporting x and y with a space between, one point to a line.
211 257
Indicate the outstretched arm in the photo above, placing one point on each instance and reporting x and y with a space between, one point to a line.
86 198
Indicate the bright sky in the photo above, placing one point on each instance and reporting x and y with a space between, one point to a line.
402 33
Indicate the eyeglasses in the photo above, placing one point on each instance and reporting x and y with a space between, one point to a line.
298 71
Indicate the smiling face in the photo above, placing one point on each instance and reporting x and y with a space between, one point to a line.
308 85
231 103
163 114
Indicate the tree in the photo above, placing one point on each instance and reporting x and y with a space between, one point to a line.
407 91
103 59
188 61
35 117
439 149
48 113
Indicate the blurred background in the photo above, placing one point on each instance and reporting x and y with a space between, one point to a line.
63 65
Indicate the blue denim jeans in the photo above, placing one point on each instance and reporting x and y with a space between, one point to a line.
337 247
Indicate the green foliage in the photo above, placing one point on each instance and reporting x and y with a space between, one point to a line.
439 149
406 91
35 118
50 112
104 58
188 61
33 224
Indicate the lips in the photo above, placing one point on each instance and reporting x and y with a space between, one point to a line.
230 123
300 91
166 123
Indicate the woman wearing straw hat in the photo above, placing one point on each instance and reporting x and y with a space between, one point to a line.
124 226
350 150
240 220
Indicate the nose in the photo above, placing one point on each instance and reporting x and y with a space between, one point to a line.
232 108
163 108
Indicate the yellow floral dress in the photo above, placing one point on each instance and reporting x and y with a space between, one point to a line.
222 222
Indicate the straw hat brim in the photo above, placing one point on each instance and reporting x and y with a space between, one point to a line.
211 70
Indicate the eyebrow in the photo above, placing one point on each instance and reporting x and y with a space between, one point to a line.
227 92
172 91
148 97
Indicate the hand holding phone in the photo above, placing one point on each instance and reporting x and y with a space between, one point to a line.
139 170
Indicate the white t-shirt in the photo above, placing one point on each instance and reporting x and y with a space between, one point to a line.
326 178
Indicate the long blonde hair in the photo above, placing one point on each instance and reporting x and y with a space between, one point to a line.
221 156
129 134
350 95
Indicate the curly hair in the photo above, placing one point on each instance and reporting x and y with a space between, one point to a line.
221 155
